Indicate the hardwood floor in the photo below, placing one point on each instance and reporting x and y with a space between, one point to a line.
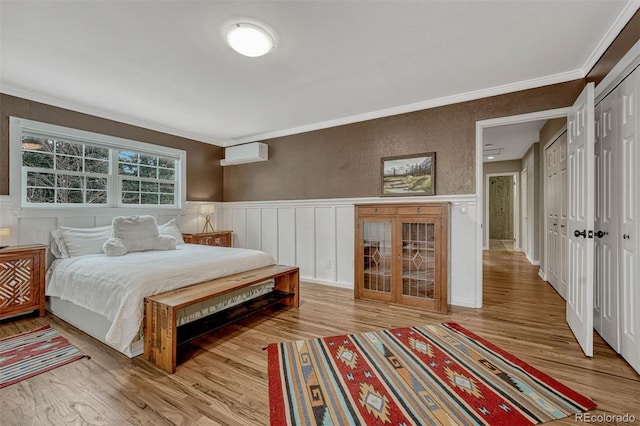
224 379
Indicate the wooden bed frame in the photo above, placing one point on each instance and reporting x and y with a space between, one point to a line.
162 336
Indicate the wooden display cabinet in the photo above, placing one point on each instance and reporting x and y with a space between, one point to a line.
218 238
401 254
22 279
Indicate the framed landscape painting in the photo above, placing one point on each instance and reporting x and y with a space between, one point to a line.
413 174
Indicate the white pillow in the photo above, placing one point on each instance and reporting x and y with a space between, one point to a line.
83 241
58 247
138 233
170 228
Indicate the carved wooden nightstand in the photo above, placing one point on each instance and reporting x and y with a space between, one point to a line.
22 279
218 238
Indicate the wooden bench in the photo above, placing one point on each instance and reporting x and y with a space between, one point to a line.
161 334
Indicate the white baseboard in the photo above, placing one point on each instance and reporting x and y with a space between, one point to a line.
541 274
531 261
326 282
464 303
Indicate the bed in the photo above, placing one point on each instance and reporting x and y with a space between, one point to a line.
103 295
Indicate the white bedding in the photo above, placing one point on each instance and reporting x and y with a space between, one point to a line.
115 287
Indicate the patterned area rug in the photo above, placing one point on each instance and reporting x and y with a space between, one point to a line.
437 374
29 354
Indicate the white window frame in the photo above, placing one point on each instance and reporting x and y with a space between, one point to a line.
18 177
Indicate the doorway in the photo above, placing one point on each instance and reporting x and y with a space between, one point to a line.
482 234
502 196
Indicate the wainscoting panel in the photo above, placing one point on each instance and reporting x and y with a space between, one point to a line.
254 229
305 241
269 232
286 235
325 254
239 226
344 245
318 237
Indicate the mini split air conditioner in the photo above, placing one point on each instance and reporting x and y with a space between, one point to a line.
247 153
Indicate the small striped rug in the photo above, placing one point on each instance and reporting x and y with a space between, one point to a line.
436 374
29 354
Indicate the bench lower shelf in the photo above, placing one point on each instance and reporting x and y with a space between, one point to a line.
206 325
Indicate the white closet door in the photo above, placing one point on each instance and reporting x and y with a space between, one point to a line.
629 244
597 220
562 234
551 202
607 222
580 170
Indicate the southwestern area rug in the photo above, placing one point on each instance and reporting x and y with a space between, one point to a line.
437 374
29 354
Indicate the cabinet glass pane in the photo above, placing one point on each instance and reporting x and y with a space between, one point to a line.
377 256
418 260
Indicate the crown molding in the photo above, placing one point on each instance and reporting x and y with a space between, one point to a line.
432 103
623 19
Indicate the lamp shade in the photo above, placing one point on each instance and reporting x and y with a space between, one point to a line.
207 209
5 232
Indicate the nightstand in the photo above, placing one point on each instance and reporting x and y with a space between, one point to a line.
218 238
22 279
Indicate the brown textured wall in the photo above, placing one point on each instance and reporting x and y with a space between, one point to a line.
344 161
629 35
204 174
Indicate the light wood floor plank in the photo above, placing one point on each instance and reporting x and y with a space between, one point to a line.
223 380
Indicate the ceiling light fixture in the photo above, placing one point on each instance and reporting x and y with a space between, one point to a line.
249 39
491 157
31 144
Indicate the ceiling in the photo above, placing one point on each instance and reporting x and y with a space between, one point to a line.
510 142
164 65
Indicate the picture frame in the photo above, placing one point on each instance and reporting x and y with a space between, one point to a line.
413 174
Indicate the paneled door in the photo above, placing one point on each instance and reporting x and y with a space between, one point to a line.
556 213
551 203
606 219
629 241
581 181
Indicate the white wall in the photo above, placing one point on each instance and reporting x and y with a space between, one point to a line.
318 236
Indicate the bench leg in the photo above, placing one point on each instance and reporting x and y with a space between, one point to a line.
159 329
290 283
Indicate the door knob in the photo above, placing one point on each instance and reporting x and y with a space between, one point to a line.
578 233
626 236
601 234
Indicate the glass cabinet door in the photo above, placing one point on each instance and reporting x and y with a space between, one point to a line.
418 260
377 259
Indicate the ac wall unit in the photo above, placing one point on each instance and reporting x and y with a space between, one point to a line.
247 153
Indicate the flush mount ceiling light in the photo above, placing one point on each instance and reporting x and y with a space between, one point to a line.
249 39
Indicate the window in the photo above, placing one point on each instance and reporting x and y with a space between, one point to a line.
63 172
146 179
65 167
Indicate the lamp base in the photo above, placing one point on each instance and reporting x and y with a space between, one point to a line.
207 225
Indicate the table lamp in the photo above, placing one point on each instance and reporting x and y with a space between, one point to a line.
4 233
207 210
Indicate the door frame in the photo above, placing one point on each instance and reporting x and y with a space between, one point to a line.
515 207
524 214
544 268
480 126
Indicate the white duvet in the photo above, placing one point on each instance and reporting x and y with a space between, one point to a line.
115 287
